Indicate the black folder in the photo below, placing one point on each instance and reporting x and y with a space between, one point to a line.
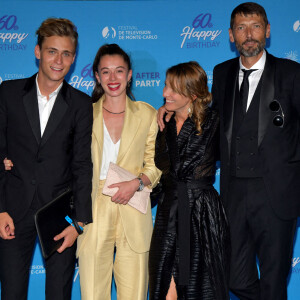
50 221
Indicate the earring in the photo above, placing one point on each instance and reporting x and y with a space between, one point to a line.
128 83
190 111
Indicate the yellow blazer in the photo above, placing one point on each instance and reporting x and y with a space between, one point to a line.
136 154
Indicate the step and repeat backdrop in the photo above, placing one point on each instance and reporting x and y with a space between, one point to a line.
157 35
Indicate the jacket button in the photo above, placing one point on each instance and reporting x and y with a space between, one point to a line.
238 168
238 153
251 169
238 138
33 181
251 153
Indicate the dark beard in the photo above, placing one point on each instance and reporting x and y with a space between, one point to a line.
252 51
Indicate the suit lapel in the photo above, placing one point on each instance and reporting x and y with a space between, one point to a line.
266 97
31 107
130 128
228 106
58 111
97 146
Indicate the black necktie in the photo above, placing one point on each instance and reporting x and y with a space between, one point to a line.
244 90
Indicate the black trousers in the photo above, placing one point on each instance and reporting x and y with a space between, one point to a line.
257 234
15 259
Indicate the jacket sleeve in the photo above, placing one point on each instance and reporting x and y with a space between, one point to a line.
149 168
296 90
3 150
81 162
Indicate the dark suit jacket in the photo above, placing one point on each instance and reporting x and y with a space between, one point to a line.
278 147
44 166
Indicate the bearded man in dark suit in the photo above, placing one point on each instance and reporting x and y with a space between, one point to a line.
260 156
45 132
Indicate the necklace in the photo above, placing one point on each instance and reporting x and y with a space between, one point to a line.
118 113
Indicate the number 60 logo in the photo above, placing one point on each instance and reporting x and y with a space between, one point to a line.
8 22
203 21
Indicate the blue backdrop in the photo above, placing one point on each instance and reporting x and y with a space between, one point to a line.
156 34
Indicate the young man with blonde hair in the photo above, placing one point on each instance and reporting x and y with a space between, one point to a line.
45 132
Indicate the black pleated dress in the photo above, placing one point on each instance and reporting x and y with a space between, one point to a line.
190 239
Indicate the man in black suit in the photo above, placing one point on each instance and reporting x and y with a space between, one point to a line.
260 156
45 130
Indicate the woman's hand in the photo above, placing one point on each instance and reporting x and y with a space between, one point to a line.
125 192
7 164
160 117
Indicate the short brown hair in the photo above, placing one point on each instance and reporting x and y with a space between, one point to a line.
249 8
190 80
57 27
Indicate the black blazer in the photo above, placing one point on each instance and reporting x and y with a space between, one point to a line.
279 147
44 166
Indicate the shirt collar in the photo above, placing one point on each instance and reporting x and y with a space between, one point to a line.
54 93
259 65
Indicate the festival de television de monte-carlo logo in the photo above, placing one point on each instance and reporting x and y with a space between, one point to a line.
128 32
295 266
293 54
39 270
296 26
201 33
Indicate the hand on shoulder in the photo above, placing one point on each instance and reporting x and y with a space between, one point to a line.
160 117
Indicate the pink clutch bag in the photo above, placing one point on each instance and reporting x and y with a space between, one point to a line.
117 174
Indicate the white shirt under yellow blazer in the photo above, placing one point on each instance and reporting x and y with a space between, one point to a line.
136 154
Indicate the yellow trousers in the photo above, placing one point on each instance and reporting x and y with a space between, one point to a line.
96 259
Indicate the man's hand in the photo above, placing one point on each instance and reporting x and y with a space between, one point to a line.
7 164
160 117
7 227
69 235
125 192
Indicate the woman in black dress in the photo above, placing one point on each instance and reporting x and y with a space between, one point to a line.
189 250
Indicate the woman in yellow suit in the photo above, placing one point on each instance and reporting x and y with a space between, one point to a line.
124 132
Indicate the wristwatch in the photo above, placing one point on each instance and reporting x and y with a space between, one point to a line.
141 186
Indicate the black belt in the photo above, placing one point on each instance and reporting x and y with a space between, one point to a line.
183 209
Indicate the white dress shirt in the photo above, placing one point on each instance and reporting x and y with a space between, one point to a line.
254 76
110 152
45 105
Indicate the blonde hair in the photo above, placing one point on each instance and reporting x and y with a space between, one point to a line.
57 27
190 80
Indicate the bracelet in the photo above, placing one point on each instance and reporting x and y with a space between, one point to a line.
75 224
78 228
141 184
